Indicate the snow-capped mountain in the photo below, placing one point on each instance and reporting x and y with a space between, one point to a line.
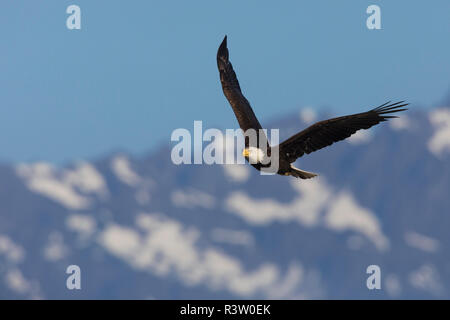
143 228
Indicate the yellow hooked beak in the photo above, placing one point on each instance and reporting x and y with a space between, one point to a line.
246 153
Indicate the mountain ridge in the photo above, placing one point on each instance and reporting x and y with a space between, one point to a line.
141 227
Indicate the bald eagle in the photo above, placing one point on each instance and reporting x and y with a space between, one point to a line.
313 138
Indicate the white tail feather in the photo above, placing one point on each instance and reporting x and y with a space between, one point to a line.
298 173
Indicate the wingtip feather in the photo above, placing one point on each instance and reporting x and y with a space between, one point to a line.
222 54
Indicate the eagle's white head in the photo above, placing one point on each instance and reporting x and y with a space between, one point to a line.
254 155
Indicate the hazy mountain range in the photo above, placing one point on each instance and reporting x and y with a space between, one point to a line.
145 228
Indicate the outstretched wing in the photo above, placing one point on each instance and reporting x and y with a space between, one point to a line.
324 133
230 85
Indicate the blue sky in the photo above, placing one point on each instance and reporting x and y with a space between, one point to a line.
139 69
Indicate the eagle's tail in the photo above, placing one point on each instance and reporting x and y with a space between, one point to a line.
296 172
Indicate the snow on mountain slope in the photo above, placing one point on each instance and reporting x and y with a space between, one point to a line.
165 247
439 143
68 187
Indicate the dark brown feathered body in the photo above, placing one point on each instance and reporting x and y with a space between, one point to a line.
313 138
